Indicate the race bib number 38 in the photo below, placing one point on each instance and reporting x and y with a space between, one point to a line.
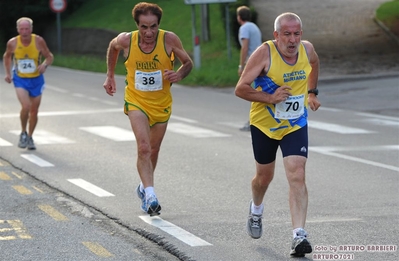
26 66
148 81
290 109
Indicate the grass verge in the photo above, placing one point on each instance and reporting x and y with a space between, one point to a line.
388 14
218 68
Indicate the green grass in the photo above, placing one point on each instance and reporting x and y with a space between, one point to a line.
388 13
85 62
217 68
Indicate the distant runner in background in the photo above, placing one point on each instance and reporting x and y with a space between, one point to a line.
250 37
24 54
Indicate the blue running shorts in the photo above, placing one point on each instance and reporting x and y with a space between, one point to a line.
34 86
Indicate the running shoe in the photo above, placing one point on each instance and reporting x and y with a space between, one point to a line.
23 140
141 195
31 144
153 207
300 245
246 127
254 224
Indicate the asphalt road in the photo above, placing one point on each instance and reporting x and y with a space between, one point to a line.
84 169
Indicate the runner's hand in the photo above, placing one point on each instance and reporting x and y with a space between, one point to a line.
171 76
110 86
313 102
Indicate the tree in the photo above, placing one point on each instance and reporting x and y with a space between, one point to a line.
38 10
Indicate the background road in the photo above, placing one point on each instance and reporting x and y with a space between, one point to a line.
86 152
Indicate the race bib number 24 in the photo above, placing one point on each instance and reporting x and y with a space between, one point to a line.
26 66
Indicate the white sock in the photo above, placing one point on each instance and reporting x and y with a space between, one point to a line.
299 232
257 210
141 188
149 191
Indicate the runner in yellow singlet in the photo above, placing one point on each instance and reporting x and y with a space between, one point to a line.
149 53
24 54
285 72
146 90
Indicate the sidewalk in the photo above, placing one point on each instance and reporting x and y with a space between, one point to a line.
344 33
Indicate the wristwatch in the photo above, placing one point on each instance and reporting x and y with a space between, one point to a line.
314 91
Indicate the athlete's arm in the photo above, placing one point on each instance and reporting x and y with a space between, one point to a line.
45 51
313 102
258 64
121 42
7 58
173 44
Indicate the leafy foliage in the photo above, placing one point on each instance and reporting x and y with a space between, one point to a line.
38 10
388 13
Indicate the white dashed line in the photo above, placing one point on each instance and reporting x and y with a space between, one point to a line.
91 188
193 131
45 137
111 132
336 128
330 152
36 160
175 231
4 143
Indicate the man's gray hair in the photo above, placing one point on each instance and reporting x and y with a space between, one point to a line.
285 16
25 19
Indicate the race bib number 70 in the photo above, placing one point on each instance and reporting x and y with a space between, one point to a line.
290 109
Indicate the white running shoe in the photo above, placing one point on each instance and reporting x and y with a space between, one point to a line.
254 224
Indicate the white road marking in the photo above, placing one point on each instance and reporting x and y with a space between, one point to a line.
183 119
329 109
91 188
45 137
329 151
234 124
362 148
79 95
336 128
391 118
193 131
175 231
36 160
382 122
53 88
112 103
4 143
378 119
322 220
63 113
111 132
